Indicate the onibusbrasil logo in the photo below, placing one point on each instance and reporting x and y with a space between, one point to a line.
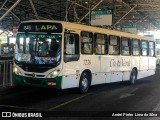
21 114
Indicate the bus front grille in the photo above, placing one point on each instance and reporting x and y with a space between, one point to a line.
31 81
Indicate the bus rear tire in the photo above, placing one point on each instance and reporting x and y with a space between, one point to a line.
84 83
133 77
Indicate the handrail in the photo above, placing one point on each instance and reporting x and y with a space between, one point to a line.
6 72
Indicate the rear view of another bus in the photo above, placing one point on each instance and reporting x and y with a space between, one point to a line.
158 51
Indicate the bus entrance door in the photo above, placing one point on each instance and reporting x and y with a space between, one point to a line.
71 60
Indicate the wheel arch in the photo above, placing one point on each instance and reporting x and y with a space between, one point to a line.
135 68
133 76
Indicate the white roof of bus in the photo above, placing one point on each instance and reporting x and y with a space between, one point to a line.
95 29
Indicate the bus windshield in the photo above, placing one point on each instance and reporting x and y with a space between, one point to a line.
38 48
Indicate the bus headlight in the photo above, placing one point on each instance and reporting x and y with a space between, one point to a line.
16 71
54 73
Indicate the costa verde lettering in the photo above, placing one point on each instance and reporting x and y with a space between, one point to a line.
120 63
45 27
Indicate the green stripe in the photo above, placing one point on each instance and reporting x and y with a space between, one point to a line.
39 82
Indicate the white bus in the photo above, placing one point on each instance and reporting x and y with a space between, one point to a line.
66 55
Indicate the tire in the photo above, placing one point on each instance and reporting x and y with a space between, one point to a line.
84 83
133 77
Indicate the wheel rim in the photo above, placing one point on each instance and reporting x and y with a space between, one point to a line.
133 78
84 83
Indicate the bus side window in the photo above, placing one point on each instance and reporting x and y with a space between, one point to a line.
71 47
70 44
86 42
144 48
125 46
135 47
151 49
114 44
101 46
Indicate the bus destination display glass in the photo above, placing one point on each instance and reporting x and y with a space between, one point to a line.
40 27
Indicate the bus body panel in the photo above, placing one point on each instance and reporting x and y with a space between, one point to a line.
152 63
98 78
147 69
145 73
105 63
70 81
108 77
124 63
135 62
126 75
92 62
143 63
116 76
70 74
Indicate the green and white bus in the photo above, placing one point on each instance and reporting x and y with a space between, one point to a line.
65 55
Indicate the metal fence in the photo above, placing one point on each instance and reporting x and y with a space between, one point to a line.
6 73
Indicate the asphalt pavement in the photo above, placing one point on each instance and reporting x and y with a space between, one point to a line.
102 101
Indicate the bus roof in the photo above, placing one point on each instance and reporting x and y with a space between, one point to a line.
95 29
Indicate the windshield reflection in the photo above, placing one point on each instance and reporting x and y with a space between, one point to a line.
38 48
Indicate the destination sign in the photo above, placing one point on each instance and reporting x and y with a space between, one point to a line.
40 27
51 36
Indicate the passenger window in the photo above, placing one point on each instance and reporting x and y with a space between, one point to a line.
114 45
71 47
126 46
151 48
135 47
144 48
101 46
86 42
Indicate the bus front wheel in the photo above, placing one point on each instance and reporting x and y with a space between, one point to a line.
84 83
133 77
